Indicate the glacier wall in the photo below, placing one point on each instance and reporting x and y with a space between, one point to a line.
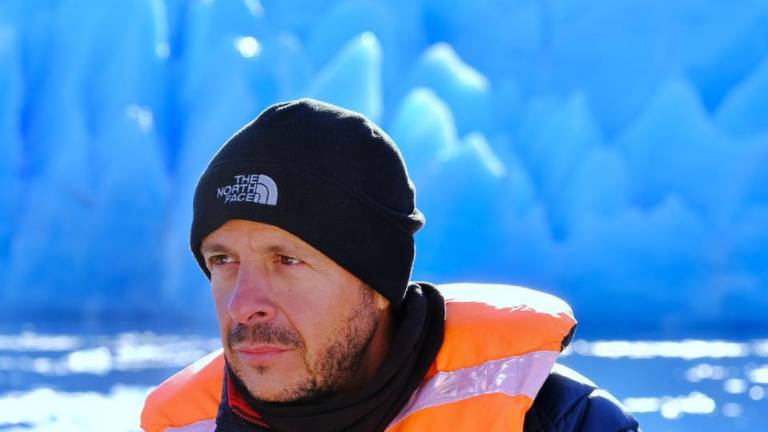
614 154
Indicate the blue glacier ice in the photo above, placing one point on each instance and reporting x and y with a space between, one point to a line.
553 138
10 141
464 89
395 24
625 250
498 39
612 154
423 127
86 219
743 112
598 188
493 206
616 64
467 192
49 249
353 78
296 16
129 193
722 49
675 147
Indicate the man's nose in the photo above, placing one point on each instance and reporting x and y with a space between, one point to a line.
251 300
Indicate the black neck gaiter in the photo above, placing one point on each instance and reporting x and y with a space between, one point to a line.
417 339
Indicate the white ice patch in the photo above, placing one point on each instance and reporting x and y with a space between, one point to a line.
31 342
40 354
690 349
672 407
45 410
759 375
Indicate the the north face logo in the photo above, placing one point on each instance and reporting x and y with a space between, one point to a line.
256 188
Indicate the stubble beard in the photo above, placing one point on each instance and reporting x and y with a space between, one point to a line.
338 365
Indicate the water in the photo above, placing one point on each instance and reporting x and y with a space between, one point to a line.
91 380
682 385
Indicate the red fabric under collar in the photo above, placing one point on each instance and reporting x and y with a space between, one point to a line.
239 405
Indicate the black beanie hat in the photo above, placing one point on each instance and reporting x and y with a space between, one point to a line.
326 175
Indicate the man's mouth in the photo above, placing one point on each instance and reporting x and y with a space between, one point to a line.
260 353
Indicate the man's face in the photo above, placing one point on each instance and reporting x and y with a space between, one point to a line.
294 324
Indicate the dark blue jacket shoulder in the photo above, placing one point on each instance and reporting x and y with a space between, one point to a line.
569 402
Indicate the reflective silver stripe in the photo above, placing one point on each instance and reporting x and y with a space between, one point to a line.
201 426
513 376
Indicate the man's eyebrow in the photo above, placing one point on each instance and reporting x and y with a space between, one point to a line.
281 250
213 247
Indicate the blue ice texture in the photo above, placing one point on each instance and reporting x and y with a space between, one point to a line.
615 155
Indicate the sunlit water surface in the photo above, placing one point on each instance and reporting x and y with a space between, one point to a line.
97 382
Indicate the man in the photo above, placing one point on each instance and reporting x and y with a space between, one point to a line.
304 223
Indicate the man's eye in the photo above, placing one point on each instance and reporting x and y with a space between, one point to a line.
216 260
289 261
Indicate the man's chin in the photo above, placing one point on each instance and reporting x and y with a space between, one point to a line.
275 394
264 384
